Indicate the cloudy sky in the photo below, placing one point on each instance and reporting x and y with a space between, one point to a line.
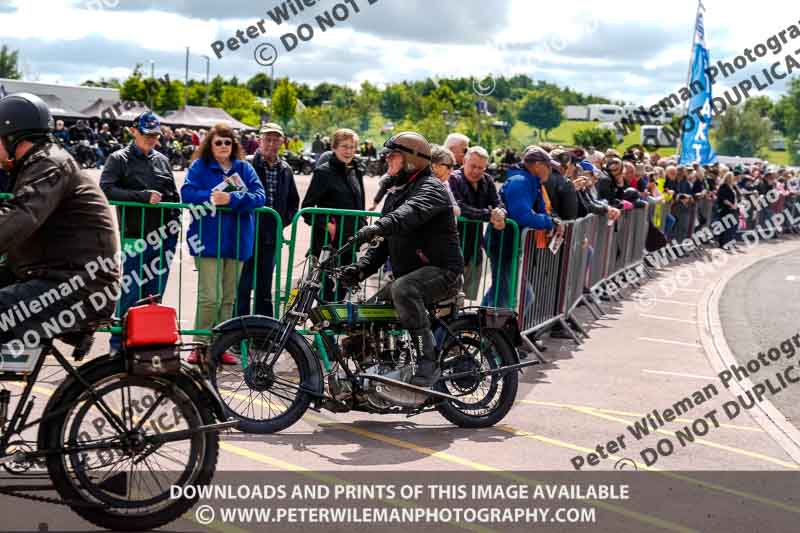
621 49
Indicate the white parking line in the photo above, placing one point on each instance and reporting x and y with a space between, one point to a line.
679 374
658 301
664 341
792 278
656 317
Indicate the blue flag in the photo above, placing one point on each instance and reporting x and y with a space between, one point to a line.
695 144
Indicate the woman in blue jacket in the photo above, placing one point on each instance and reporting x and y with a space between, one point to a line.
221 176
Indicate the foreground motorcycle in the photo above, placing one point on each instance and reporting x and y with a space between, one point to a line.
118 431
362 360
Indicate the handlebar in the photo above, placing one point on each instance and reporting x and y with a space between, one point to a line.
335 254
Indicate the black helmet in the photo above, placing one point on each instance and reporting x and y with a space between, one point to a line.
24 113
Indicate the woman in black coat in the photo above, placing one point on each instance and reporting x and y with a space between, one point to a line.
727 207
338 183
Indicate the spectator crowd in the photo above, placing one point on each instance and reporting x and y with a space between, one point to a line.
545 187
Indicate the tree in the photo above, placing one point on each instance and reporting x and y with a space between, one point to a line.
786 114
134 89
284 101
761 104
9 63
171 96
783 115
600 139
240 103
395 102
541 111
433 127
742 133
215 91
260 84
366 103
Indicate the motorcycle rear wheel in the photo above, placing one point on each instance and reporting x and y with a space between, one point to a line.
486 401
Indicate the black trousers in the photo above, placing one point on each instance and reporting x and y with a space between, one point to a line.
264 271
413 293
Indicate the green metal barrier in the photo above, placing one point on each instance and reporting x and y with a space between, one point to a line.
472 228
124 211
283 281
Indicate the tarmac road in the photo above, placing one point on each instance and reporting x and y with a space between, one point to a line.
759 309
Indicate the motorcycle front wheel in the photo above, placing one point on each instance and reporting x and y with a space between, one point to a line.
483 401
265 400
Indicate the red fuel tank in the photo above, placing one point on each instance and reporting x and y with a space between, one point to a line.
151 324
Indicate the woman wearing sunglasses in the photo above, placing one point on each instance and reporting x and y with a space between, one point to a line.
221 176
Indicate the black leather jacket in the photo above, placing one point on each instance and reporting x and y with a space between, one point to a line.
58 221
419 228
128 176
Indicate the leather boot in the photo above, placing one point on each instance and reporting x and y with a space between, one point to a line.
427 365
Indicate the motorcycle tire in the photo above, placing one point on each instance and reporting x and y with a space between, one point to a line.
74 476
261 420
494 351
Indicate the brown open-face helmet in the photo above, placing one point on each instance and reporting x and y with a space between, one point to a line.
414 147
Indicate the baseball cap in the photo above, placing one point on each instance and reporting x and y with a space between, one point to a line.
534 154
147 123
587 166
271 127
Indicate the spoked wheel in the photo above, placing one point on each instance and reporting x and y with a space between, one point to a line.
127 484
483 401
264 398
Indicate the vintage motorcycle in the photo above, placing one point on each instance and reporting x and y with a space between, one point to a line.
118 431
362 360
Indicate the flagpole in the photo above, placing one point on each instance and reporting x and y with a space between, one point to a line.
700 7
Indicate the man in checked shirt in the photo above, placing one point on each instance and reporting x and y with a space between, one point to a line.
278 179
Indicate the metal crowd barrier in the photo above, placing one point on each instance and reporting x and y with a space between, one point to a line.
172 292
496 288
552 285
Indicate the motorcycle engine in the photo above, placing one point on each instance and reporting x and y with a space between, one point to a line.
382 353
383 395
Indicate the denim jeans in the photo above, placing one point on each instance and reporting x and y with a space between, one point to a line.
153 259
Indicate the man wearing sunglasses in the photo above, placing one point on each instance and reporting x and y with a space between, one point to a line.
421 240
138 173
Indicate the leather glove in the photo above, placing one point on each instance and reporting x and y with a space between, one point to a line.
367 234
350 276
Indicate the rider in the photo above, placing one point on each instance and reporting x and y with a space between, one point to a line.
57 225
421 240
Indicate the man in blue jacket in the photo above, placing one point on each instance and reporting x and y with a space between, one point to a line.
527 204
281 195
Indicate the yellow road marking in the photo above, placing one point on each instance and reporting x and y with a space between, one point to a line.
704 442
448 457
628 413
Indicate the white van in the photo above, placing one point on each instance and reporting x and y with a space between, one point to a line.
664 117
656 136
605 113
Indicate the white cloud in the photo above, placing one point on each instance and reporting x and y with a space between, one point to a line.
621 49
